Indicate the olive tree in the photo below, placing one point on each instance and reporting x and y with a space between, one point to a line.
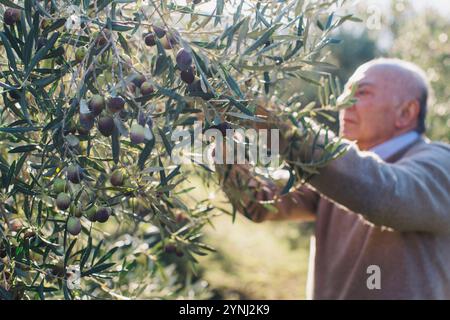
91 204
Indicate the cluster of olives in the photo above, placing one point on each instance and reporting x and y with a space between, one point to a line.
105 123
183 57
65 202
63 199
101 111
184 63
168 41
139 81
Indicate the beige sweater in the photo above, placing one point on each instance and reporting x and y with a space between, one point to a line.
393 214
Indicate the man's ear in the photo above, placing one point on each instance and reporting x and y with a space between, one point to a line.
408 114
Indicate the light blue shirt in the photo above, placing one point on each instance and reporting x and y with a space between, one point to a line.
390 147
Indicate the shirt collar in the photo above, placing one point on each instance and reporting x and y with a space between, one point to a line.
392 146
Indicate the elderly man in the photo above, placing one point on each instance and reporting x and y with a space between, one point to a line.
382 210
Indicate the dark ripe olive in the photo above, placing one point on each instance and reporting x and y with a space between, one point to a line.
195 90
82 131
11 16
86 122
170 248
116 104
146 88
97 104
117 178
102 214
150 39
90 213
181 218
74 173
137 133
160 32
138 80
106 125
188 75
63 201
184 59
73 226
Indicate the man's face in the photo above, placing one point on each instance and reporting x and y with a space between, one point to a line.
371 120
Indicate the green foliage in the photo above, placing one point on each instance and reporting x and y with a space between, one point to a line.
355 50
55 59
428 33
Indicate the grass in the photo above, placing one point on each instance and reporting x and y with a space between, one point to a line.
256 261
266 260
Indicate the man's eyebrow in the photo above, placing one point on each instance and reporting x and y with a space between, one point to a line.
358 85
364 84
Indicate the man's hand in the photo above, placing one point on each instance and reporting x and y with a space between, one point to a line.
259 199
246 191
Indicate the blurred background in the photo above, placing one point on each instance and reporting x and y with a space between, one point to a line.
270 260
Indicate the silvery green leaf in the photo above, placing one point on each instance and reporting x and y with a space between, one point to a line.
72 140
123 131
148 133
84 108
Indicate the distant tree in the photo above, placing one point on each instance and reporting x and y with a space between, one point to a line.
355 49
425 40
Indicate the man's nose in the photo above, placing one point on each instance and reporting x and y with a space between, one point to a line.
349 110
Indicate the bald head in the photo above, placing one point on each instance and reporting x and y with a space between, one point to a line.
391 99
402 82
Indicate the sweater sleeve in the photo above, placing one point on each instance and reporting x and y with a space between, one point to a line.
412 194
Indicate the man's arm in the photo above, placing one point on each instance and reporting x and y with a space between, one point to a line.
410 195
259 199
